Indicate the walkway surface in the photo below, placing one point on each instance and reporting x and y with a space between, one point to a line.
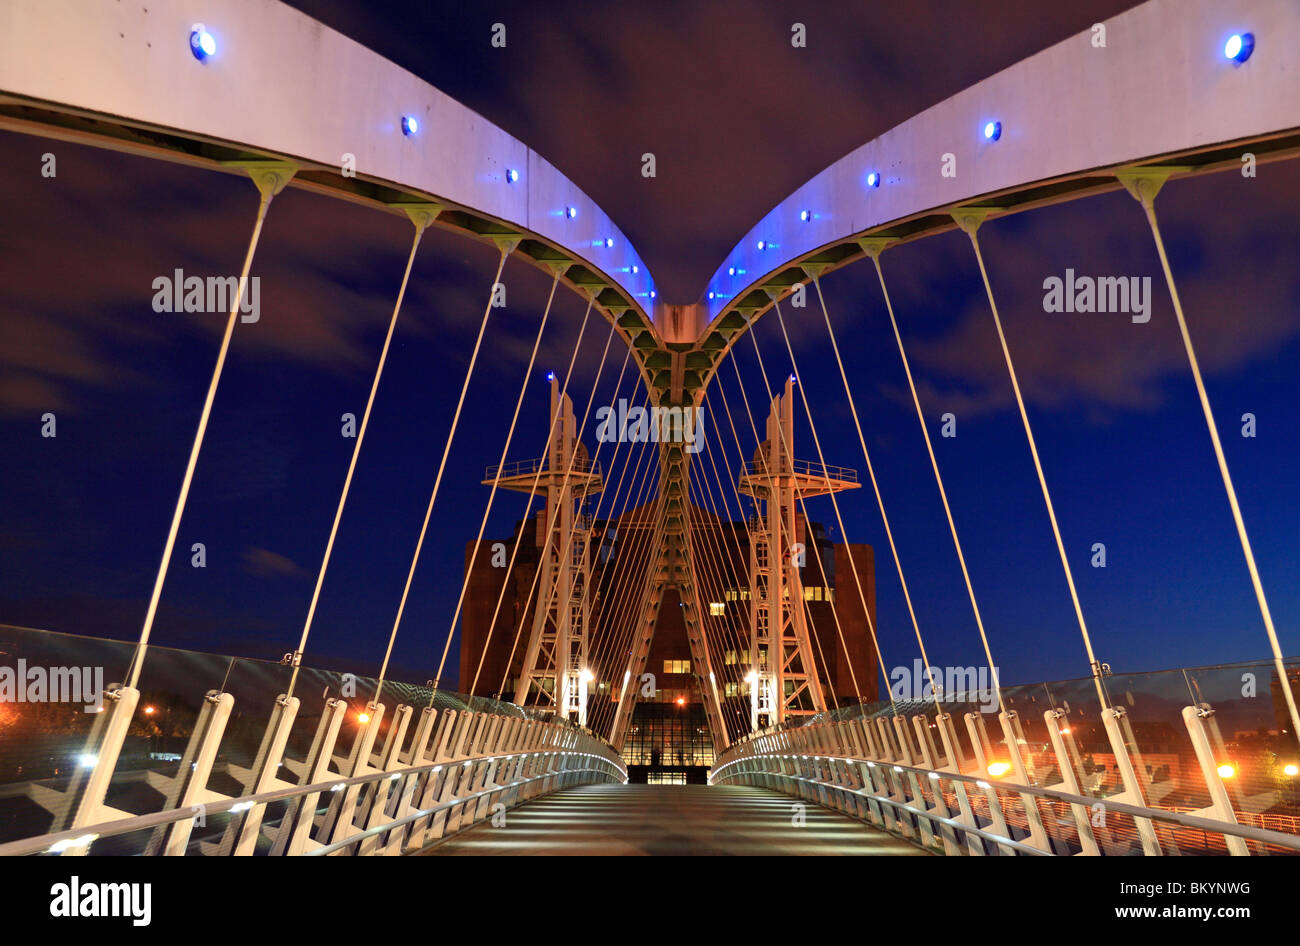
671 819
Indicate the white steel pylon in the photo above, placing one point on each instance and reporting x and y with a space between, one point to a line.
783 678
555 672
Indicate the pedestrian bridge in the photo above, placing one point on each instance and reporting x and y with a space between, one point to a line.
286 759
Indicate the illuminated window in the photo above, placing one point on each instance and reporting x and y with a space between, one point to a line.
677 666
732 690
729 657
717 608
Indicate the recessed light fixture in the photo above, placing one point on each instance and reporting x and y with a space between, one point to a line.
202 43
1239 47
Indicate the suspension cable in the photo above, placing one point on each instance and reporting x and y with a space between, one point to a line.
421 222
501 463
506 248
875 485
874 252
970 223
269 183
1145 189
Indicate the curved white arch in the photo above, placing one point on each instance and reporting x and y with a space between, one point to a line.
1161 88
283 85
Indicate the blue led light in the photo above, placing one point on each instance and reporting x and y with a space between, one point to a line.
609 243
634 269
202 43
873 179
571 212
410 125
731 271
710 295
652 293
762 244
805 215
512 175
1239 47
993 131
550 376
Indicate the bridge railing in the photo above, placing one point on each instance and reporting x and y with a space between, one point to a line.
236 769
1157 746
806 468
535 465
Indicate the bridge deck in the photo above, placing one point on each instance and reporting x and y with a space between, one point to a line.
671 819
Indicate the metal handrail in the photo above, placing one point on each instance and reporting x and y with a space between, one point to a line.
804 468
536 465
424 813
42 843
1249 832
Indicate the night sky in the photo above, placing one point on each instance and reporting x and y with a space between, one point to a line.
737 119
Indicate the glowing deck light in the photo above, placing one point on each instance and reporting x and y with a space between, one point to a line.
993 131
873 179
681 701
571 212
1291 770
202 43
587 676
410 125
652 293
363 717
87 760
762 244
731 271
999 769
635 269
512 175
149 711
710 295
1227 770
609 243
1239 47
805 215
751 677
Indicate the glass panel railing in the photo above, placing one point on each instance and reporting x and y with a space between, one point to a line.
47 720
